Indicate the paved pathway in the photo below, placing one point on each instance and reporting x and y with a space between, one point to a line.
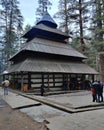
60 120
73 100
18 101
92 120
2 103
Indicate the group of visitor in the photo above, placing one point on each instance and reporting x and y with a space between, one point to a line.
97 91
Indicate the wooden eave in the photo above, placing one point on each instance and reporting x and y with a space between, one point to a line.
46 32
38 45
51 66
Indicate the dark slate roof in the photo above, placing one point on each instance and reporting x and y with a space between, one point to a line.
46 28
47 20
44 31
51 47
41 65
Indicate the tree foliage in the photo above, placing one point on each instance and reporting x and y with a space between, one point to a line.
42 7
84 21
74 15
12 22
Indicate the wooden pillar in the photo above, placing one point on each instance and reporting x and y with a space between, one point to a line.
13 82
83 82
29 80
53 80
21 80
48 82
63 78
68 81
42 79
93 78
42 89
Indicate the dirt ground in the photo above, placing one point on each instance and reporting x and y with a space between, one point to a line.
15 120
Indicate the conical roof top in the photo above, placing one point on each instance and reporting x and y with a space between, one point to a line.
47 20
46 28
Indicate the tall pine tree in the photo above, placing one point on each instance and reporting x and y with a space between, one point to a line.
11 23
42 7
74 17
97 27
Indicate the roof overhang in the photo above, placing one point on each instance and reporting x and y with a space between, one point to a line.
39 45
33 65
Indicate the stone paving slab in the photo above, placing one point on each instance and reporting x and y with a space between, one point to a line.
74 100
18 101
43 112
88 120
73 103
2 103
92 120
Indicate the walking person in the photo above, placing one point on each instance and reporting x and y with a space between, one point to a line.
5 85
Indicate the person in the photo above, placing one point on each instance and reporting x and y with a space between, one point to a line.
100 92
42 90
65 85
5 85
95 86
93 94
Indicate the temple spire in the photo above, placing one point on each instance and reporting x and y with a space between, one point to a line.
47 20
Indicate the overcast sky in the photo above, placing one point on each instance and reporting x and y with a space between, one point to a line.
28 8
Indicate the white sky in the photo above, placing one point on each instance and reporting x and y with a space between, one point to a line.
28 10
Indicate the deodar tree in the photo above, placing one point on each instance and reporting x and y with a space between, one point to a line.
12 21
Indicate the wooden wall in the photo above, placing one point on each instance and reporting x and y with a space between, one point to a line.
51 81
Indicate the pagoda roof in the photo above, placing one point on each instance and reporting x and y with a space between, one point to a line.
46 32
42 65
50 47
46 28
47 20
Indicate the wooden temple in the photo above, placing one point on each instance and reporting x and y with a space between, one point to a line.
48 59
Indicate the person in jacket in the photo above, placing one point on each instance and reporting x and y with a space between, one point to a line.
95 86
100 92
93 94
5 85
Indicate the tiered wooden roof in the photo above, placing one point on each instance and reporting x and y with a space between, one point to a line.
52 66
47 50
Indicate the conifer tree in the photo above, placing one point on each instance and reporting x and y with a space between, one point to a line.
63 14
74 16
97 28
11 24
42 7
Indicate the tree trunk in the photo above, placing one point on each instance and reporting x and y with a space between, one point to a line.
81 26
66 18
102 66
